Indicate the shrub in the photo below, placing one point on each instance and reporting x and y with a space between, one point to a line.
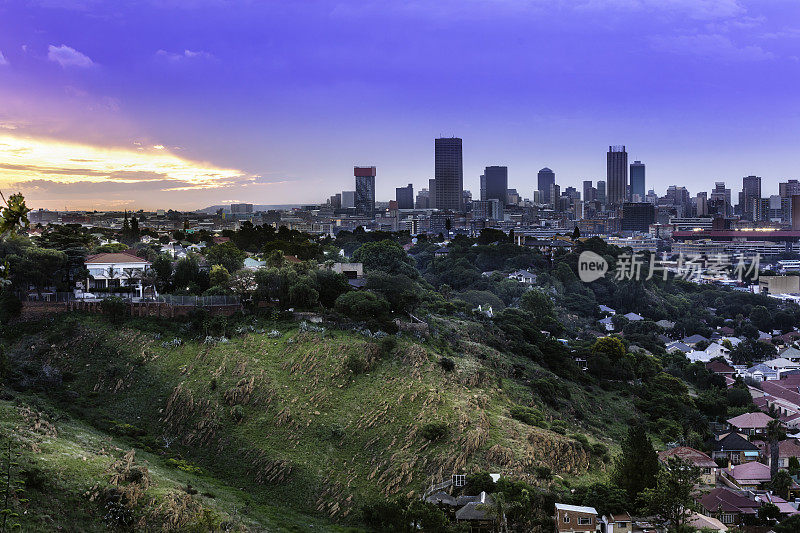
434 431
114 307
544 472
185 466
355 363
388 345
559 426
447 364
10 306
580 437
599 449
527 415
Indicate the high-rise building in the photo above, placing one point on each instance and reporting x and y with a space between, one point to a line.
449 174
336 201
432 194
702 203
789 188
496 182
483 188
555 194
365 190
750 197
512 197
241 209
601 192
404 197
348 199
545 180
487 209
796 212
637 216
423 199
721 195
617 174
637 181
589 192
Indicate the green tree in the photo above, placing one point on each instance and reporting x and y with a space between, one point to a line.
781 483
387 256
775 433
303 295
227 255
360 305
219 275
537 303
672 498
637 466
611 347
162 266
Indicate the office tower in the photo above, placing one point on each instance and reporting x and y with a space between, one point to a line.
588 194
348 199
750 197
555 194
572 193
423 199
677 196
241 209
449 174
546 179
405 197
702 203
512 197
601 192
483 188
721 194
466 197
637 180
336 201
487 209
496 181
789 188
365 190
796 212
537 196
432 193
637 216
616 175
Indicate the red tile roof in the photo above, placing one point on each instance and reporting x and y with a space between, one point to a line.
696 457
117 257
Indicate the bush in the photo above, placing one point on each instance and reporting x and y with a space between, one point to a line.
114 307
447 364
527 415
388 345
355 363
559 426
434 431
544 472
10 306
185 466
580 437
362 306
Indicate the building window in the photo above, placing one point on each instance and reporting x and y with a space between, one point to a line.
706 471
459 480
566 519
584 520
727 518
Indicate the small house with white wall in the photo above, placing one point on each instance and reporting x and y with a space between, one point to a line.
115 270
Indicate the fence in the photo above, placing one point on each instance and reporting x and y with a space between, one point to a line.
198 301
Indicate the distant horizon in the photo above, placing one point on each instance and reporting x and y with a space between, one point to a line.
185 104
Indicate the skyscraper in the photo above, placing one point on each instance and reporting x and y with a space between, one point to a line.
702 203
721 195
432 193
588 191
404 197
750 197
348 199
601 192
546 179
496 183
616 175
365 190
637 181
637 216
789 188
449 174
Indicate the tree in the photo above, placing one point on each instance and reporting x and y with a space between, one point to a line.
243 283
611 347
330 286
537 303
781 483
761 318
672 496
576 233
362 305
790 525
219 275
227 255
386 255
775 433
162 266
303 295
636 468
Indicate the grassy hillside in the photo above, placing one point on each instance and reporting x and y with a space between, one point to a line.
318 422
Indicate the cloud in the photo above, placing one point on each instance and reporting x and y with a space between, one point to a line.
186 55
67 56
710 46
3 60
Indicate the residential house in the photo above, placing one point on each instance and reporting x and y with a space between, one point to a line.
476 512
734 448
697 459
523 276
728 506
747 476
349 270
717 350
616 523
576 518
791 353
696 356
607 310
633 317
694 339
108 271
678 346
751 423
666 324
607 324
761 372
723 369
253 264
781 364
441 252
787 449
782 394
706 523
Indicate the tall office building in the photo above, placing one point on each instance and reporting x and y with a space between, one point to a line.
702 203
449 174
616 175
404 197
637 181
241 209
789 188
423 199
555 194
601 192
483 188
546 179
795 212
750 198
496 183
365 190
348 199
588 191
721 194
432 193
637 216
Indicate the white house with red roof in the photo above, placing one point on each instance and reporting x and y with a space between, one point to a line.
112 270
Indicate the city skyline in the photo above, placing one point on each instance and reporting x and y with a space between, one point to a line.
187 105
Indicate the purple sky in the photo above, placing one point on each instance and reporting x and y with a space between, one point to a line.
283 98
